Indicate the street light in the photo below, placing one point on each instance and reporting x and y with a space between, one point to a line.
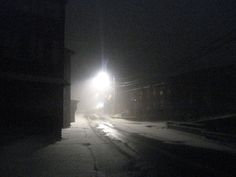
100 105
102 81
105 92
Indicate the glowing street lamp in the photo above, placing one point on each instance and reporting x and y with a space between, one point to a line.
100 105
102 81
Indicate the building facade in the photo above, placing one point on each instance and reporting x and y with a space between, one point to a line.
203 87
188 96
32 66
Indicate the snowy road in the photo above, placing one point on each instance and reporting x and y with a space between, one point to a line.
155 150
99 146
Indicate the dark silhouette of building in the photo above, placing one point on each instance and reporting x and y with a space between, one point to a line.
32 73
203 91
67 88
187 96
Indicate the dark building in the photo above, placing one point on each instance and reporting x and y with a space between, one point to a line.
32 66
203 91
188 96
67 88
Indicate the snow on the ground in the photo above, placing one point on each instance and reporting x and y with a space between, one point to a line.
159 131
80 153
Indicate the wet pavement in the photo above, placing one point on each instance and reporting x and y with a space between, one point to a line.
154 157
102 147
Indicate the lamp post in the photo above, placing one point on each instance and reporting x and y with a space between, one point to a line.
102 81
103 86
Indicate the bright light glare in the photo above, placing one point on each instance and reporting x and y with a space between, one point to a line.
102 81
100 105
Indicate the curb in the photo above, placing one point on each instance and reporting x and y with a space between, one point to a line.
223 137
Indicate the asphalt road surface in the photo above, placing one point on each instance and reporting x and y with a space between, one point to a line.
156 158
99 146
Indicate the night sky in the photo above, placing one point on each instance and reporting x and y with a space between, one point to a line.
152 37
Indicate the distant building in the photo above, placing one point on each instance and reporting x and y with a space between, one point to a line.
32 66
188 96
207 90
